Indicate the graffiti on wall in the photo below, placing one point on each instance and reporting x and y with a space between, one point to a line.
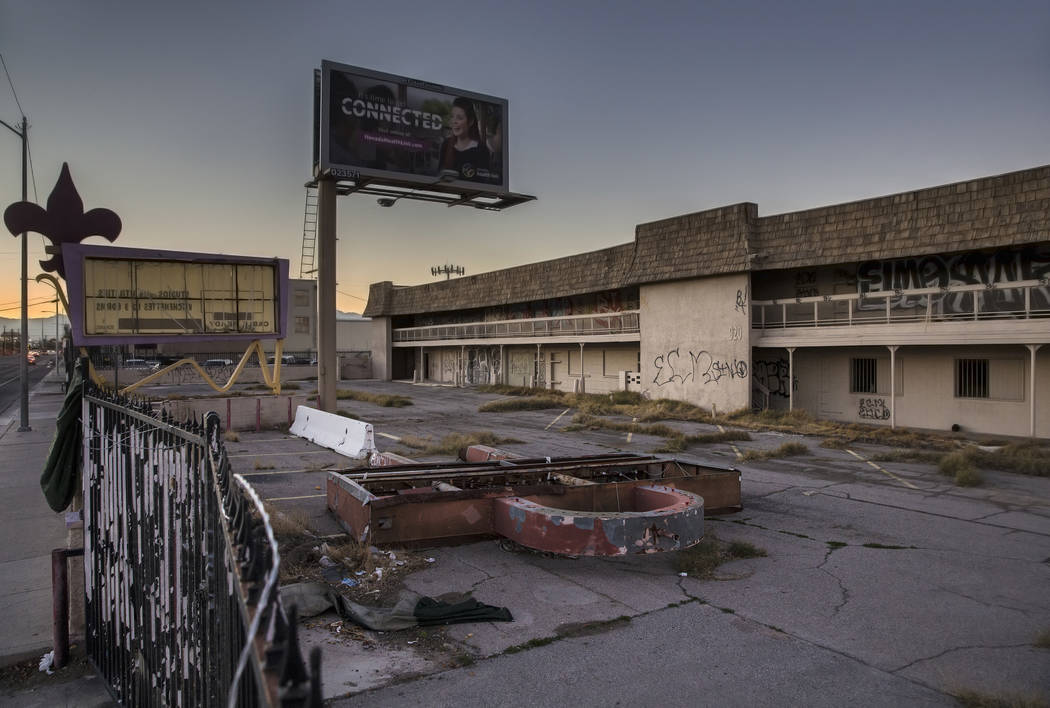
483 365
741 300
936 271
873 409
806 283
677 367
773 374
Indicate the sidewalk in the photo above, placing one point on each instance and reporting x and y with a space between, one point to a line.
29 530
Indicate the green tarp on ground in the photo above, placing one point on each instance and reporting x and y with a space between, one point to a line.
410 610
62 471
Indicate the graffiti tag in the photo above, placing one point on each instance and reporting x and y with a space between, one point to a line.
873 409
674 367
773 374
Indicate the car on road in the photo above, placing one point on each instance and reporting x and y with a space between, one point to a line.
136 364
285 359
218 362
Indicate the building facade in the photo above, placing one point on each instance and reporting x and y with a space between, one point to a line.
926 309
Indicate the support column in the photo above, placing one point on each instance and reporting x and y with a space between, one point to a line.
463 365
791 378
583 374
422 367
1032 349
502 378
893 385
536 368
327 373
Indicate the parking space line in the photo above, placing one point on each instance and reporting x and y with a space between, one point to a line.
739 455
279 454
886 472
389 436
267 472
558 418
308 496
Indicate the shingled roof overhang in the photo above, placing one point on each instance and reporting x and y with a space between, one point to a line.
989 212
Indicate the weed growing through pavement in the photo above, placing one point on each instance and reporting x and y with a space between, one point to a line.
701 560
231 436
1042 640
788 449
379 399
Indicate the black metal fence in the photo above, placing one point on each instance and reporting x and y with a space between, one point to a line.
182 604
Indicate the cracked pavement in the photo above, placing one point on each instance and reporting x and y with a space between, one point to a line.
878 589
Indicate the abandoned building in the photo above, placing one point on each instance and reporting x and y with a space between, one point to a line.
924 309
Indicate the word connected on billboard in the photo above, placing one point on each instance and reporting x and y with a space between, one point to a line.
150 297
401 131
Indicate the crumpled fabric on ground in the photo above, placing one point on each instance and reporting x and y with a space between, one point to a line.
410 610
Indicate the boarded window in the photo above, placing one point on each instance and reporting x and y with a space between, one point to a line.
302 298
863 376
971 378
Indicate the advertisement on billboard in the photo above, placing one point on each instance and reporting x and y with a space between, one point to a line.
135 296
402 131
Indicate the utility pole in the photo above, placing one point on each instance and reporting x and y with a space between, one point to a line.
23 367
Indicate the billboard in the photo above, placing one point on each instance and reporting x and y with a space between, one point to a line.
395 130
137 296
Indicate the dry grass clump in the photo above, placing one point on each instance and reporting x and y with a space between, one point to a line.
701 560
679 442
353 555
451 444
231 436
347 414
788 449
960 465
586 421
1042 640
379 399
834 443
289 526
931 458
522 403
1027 457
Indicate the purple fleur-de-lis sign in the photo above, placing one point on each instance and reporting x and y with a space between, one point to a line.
64 220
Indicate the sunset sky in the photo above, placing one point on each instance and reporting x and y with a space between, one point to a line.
191 120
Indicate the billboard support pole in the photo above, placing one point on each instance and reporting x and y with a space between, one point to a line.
327 372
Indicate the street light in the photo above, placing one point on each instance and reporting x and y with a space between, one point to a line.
23 367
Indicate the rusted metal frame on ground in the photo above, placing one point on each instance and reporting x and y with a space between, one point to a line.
377 507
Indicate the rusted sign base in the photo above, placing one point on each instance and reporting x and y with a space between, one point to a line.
638 504
659 519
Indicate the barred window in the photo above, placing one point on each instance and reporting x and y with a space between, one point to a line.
302 298
971 378
863 376
302 325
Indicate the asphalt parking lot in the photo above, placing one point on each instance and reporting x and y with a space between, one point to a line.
883 584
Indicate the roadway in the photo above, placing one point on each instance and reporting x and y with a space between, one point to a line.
9 382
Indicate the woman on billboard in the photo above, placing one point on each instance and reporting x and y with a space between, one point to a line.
464 155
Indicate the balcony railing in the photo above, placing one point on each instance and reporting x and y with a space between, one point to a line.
1022 300
605 323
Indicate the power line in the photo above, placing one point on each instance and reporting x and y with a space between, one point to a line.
11 83
362 299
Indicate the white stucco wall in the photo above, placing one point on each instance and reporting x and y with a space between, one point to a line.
367 335
695 341
926 388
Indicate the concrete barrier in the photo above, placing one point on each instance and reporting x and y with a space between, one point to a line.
346 436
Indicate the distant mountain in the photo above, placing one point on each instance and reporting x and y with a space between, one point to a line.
37 326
